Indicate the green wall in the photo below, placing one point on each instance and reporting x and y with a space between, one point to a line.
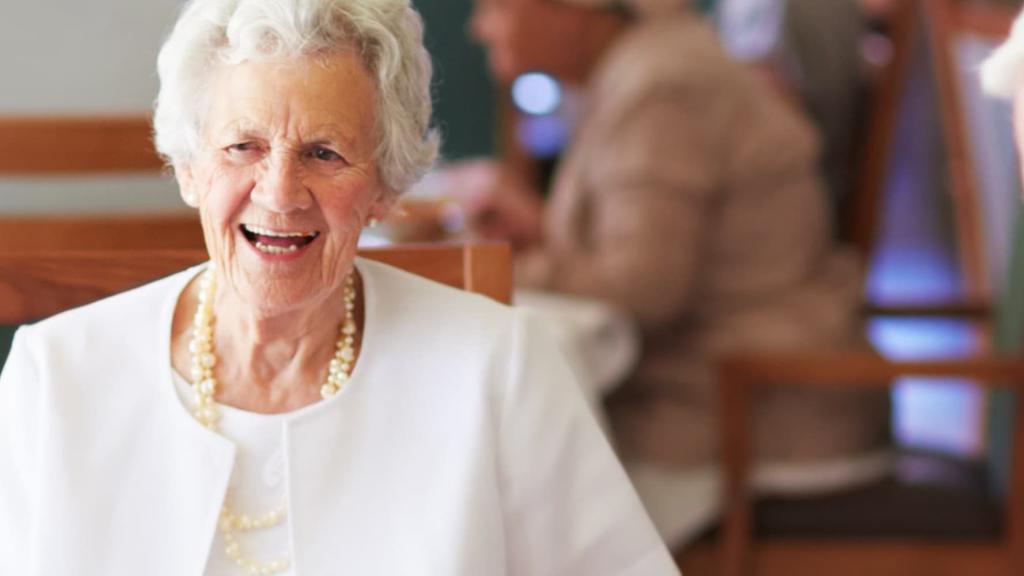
6 335
463 95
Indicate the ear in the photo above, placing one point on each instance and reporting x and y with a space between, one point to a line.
186 183
382 206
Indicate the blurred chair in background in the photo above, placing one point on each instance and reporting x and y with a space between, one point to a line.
935 515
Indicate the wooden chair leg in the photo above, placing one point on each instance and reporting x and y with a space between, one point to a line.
735 454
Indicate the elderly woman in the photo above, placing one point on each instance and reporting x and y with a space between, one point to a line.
688 197
288 407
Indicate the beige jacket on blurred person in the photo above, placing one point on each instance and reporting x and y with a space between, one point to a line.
690 199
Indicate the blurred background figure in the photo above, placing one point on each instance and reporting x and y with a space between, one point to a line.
689 196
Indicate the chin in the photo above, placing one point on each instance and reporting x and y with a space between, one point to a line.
268 290
270 299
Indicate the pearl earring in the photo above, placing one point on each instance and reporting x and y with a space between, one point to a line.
372 223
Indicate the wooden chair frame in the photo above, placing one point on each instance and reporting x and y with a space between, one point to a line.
122 144
945 20
33 286
172 231
879 136
948 19
736 553
739 376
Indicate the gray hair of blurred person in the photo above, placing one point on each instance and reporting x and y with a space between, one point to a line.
386 34
1002 73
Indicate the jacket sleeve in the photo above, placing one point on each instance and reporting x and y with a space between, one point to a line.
649 185
18 439
569 507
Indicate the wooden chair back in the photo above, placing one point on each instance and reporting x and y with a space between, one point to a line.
115 144
949 22
33 286
174 231
111 145
887 93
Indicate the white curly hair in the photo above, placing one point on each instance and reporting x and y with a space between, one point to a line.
1002 72
387 34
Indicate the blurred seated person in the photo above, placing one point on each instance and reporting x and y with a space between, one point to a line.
689 197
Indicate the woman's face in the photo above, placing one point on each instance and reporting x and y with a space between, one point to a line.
286 177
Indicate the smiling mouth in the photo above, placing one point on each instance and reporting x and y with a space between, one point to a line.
276 241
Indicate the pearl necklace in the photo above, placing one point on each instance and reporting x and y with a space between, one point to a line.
204 386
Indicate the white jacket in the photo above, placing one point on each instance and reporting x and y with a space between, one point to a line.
464 448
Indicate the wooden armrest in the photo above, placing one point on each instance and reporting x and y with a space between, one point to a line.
742 371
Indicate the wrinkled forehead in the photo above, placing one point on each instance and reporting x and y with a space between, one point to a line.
306 96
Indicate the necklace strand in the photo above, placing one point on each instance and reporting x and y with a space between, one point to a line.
204 387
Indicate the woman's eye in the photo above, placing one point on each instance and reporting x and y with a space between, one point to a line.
242 147
326 154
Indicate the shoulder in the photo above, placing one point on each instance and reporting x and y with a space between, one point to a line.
398 293
113 344
668 83
428 323
671 56
472 351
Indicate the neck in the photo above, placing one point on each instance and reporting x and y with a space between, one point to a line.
242 327
266 363
259 348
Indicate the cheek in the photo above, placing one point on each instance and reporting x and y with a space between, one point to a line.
226 193
347 207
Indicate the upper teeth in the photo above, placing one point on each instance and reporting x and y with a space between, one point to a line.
275 249
266 232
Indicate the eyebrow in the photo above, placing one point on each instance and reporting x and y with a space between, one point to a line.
333 133
240 128
327 134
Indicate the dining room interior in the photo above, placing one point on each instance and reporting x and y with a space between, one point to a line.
919 181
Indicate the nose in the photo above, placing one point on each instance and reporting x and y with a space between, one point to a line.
280 187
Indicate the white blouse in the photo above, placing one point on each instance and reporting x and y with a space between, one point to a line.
462 446
257 482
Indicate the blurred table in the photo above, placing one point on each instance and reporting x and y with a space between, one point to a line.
602 343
